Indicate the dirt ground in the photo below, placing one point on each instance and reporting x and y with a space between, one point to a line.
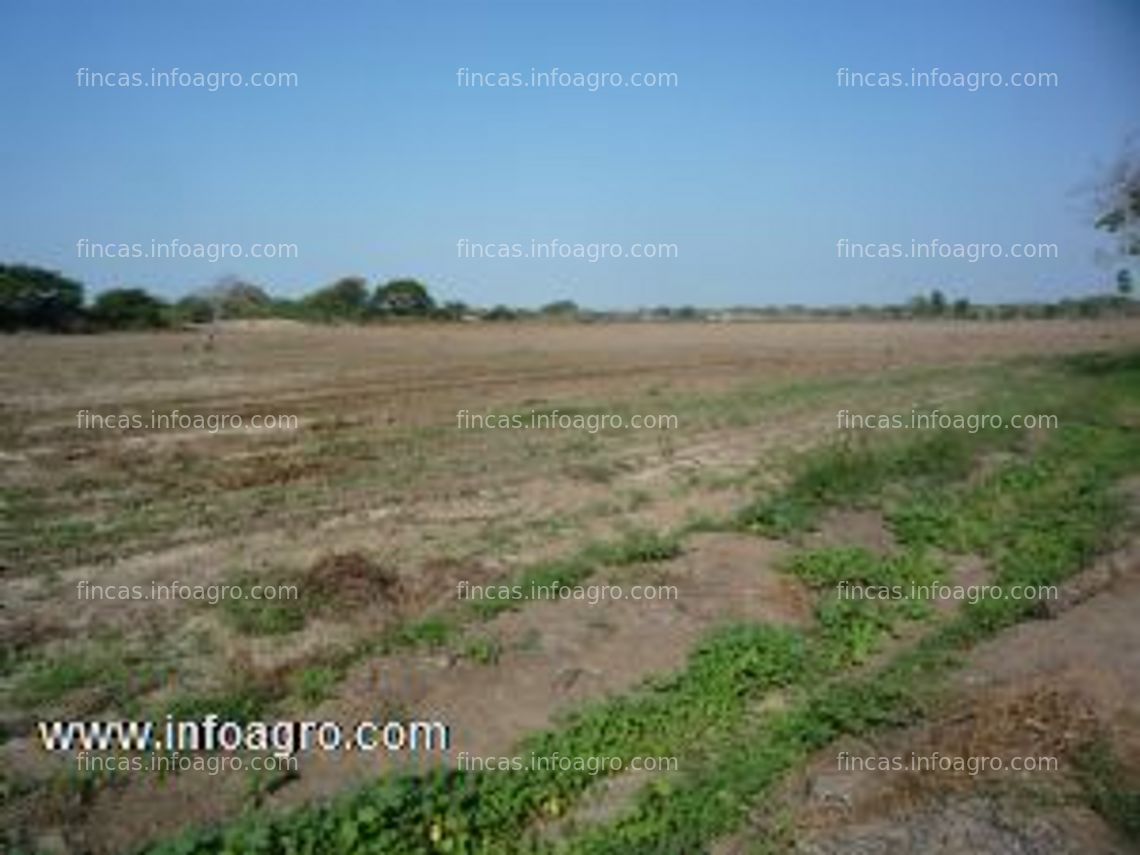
378 492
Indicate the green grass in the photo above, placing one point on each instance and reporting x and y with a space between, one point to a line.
104 665
314 683
434 631
248 616
857 625
239 703
52 678
826 568
1108 789
854 472
637 546
485 651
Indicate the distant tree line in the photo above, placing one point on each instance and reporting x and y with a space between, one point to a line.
32 298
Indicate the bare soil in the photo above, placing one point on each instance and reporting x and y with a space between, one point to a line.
380 503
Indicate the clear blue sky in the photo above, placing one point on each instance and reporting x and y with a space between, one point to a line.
754 165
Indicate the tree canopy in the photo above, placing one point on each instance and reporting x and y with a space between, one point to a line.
129 308
34 298
1118 213
347 299
405 297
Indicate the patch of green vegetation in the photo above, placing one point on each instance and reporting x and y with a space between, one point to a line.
852 473
714 795
1108 789
239 703
21 505
248 616
569 571
826 568
13 657
484 650
288 597
1104 363
433 631
314 683
64 535
105 664
855 625
52 678
636 546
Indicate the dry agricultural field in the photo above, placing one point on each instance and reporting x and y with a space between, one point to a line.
378 506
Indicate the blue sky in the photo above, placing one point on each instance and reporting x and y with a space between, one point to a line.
754 165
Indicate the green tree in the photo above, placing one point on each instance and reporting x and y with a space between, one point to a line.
402 297
129 308
193 309
1118 203
501 313
345 299
560 309
1124 283
1118 213
453 311
937 302
34 298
